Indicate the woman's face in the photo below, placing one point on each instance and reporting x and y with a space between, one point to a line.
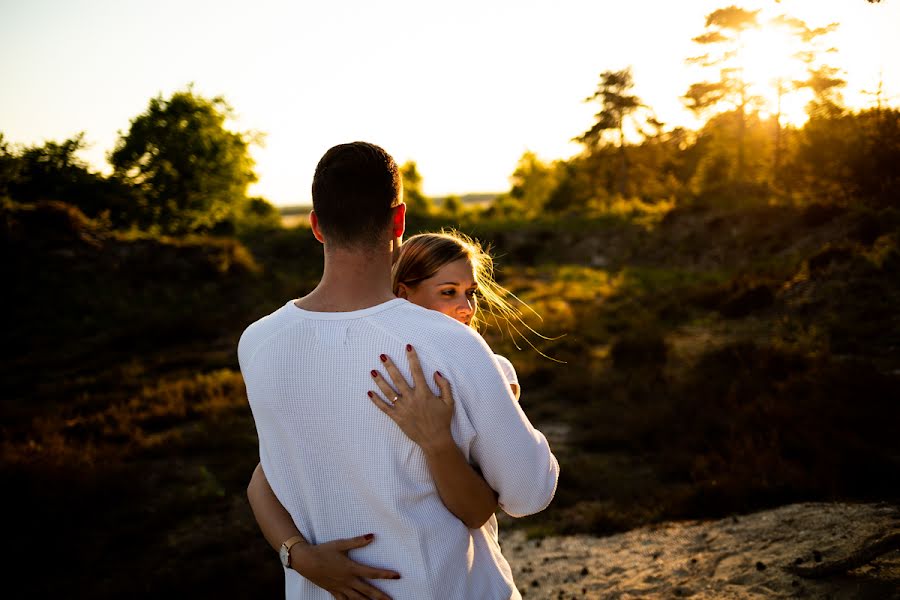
451 290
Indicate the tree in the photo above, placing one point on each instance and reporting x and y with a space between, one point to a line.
533 182
452 206
9 166
417 203
49 172
53 171
728 46
192 172
724 27
616 104
851 157
821 79
256 214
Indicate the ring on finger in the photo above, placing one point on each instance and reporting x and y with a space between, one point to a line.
395 398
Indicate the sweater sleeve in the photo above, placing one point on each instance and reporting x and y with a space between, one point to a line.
508 370
513 456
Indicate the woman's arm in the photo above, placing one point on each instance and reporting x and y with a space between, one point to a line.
425 419
462 489
273 519
327 564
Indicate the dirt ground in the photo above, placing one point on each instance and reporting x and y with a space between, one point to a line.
734 558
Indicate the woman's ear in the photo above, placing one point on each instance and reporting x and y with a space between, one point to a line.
402 291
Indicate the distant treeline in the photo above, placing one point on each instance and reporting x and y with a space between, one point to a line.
477 199
841 158
743 153
178 170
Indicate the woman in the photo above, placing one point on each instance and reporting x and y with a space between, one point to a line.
446 272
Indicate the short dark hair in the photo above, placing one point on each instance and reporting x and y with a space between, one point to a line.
353 191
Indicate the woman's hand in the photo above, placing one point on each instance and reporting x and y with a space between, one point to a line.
422 416
328 566
425 419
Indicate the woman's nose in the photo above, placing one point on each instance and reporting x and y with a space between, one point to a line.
466 307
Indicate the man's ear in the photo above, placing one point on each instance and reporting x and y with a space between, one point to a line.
398 220
402 291
314 224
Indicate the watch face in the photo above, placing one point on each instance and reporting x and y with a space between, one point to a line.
285 556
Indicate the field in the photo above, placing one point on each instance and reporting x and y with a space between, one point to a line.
698 363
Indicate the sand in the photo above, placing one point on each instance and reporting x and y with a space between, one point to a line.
734 558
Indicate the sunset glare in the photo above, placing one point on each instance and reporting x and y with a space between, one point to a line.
769 60
463 89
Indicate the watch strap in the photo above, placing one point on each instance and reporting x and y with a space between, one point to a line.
287 545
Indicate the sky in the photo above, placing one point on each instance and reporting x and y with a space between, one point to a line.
462 88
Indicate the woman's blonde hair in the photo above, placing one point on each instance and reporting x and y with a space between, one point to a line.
422 255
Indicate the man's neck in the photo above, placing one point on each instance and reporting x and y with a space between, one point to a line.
352 280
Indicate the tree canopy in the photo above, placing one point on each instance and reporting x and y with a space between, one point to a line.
417 202
191 171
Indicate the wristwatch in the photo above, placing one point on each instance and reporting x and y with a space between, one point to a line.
285 551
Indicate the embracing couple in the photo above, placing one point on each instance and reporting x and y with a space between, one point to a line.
388 433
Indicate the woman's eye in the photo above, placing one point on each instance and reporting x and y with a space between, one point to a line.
448 292
472 293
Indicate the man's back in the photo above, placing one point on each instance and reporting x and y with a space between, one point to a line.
342 467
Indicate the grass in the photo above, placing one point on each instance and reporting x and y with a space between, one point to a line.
712 362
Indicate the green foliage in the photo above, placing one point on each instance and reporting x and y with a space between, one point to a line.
851 157
452 207
191 171
416 201
256 214
725 29
576 186
717 179
533 182
722 360
53 171
737 158
616 104
9 166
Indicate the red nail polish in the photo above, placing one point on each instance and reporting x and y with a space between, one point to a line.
374 373
369 536
383 358
409 348
438 373
370 394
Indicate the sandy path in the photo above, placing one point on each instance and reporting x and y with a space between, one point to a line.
733 558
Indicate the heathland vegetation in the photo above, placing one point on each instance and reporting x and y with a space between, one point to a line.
719 309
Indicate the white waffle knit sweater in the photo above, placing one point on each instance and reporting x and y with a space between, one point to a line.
342 468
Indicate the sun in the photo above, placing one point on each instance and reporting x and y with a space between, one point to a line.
770 59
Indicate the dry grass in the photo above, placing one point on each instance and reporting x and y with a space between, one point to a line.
712 363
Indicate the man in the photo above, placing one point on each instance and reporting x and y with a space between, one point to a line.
337 462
